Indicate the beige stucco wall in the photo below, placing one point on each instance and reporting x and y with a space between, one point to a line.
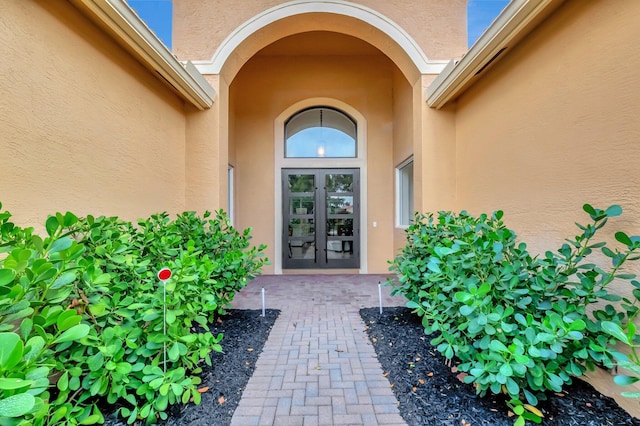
553 126
403 141
438 26
83 127
207 152
268 85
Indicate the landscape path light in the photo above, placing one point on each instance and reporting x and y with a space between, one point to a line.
163 275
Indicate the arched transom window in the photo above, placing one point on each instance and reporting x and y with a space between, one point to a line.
320 132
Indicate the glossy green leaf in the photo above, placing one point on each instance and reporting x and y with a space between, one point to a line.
74 333
60 244
124 368
466 310
463 297
512 386
51 225
12 383
506 370
92 419
11 350
63 381
174 352
96 361
623 238
498 346
6 276
63 280
17 405
613 211
67 319
615 330
33 348
625 380
589 209
59 414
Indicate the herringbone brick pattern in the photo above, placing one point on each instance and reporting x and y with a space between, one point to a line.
317 367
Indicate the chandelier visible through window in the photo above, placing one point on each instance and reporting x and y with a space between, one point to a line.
320 132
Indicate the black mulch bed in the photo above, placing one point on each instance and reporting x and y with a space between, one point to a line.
408 358
245 333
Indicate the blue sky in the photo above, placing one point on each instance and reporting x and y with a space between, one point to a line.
480 14
157 14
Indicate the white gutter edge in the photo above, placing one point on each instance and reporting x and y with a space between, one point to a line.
132 33
507 26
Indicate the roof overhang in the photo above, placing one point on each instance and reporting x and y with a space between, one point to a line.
517 19
128 30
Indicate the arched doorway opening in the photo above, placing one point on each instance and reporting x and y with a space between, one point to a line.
319 59
320 205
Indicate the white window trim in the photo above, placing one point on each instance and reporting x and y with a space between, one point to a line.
230 197
399 192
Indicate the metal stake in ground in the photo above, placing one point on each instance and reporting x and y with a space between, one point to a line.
263 315
380 296
163 275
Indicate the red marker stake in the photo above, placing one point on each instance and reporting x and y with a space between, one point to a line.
163 275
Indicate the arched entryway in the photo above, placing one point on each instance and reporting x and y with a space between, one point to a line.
303 55
321 186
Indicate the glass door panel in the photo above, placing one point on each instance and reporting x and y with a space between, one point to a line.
340 197
299 197
338 182
302 204
321 218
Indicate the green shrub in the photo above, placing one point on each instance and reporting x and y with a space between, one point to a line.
517 324
82 313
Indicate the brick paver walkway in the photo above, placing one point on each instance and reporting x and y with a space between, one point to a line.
317 367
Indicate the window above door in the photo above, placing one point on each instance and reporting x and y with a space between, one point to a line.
320 132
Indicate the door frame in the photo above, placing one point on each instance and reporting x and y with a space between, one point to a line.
319 163
321 218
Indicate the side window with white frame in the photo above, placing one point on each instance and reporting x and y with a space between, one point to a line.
230 193
404 193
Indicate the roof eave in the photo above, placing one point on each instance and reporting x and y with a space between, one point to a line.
128 30
517 19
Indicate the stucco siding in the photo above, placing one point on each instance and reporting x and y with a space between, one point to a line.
85 128
553 125
437 26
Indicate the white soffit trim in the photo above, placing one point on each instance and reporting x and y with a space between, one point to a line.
339 7
511 25
134 35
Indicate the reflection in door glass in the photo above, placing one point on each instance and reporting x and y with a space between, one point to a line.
302 183
339 227
301 228
339 183
339 249
340 205
302 205
302 250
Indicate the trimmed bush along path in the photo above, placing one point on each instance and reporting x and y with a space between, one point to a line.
319 366
431 393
